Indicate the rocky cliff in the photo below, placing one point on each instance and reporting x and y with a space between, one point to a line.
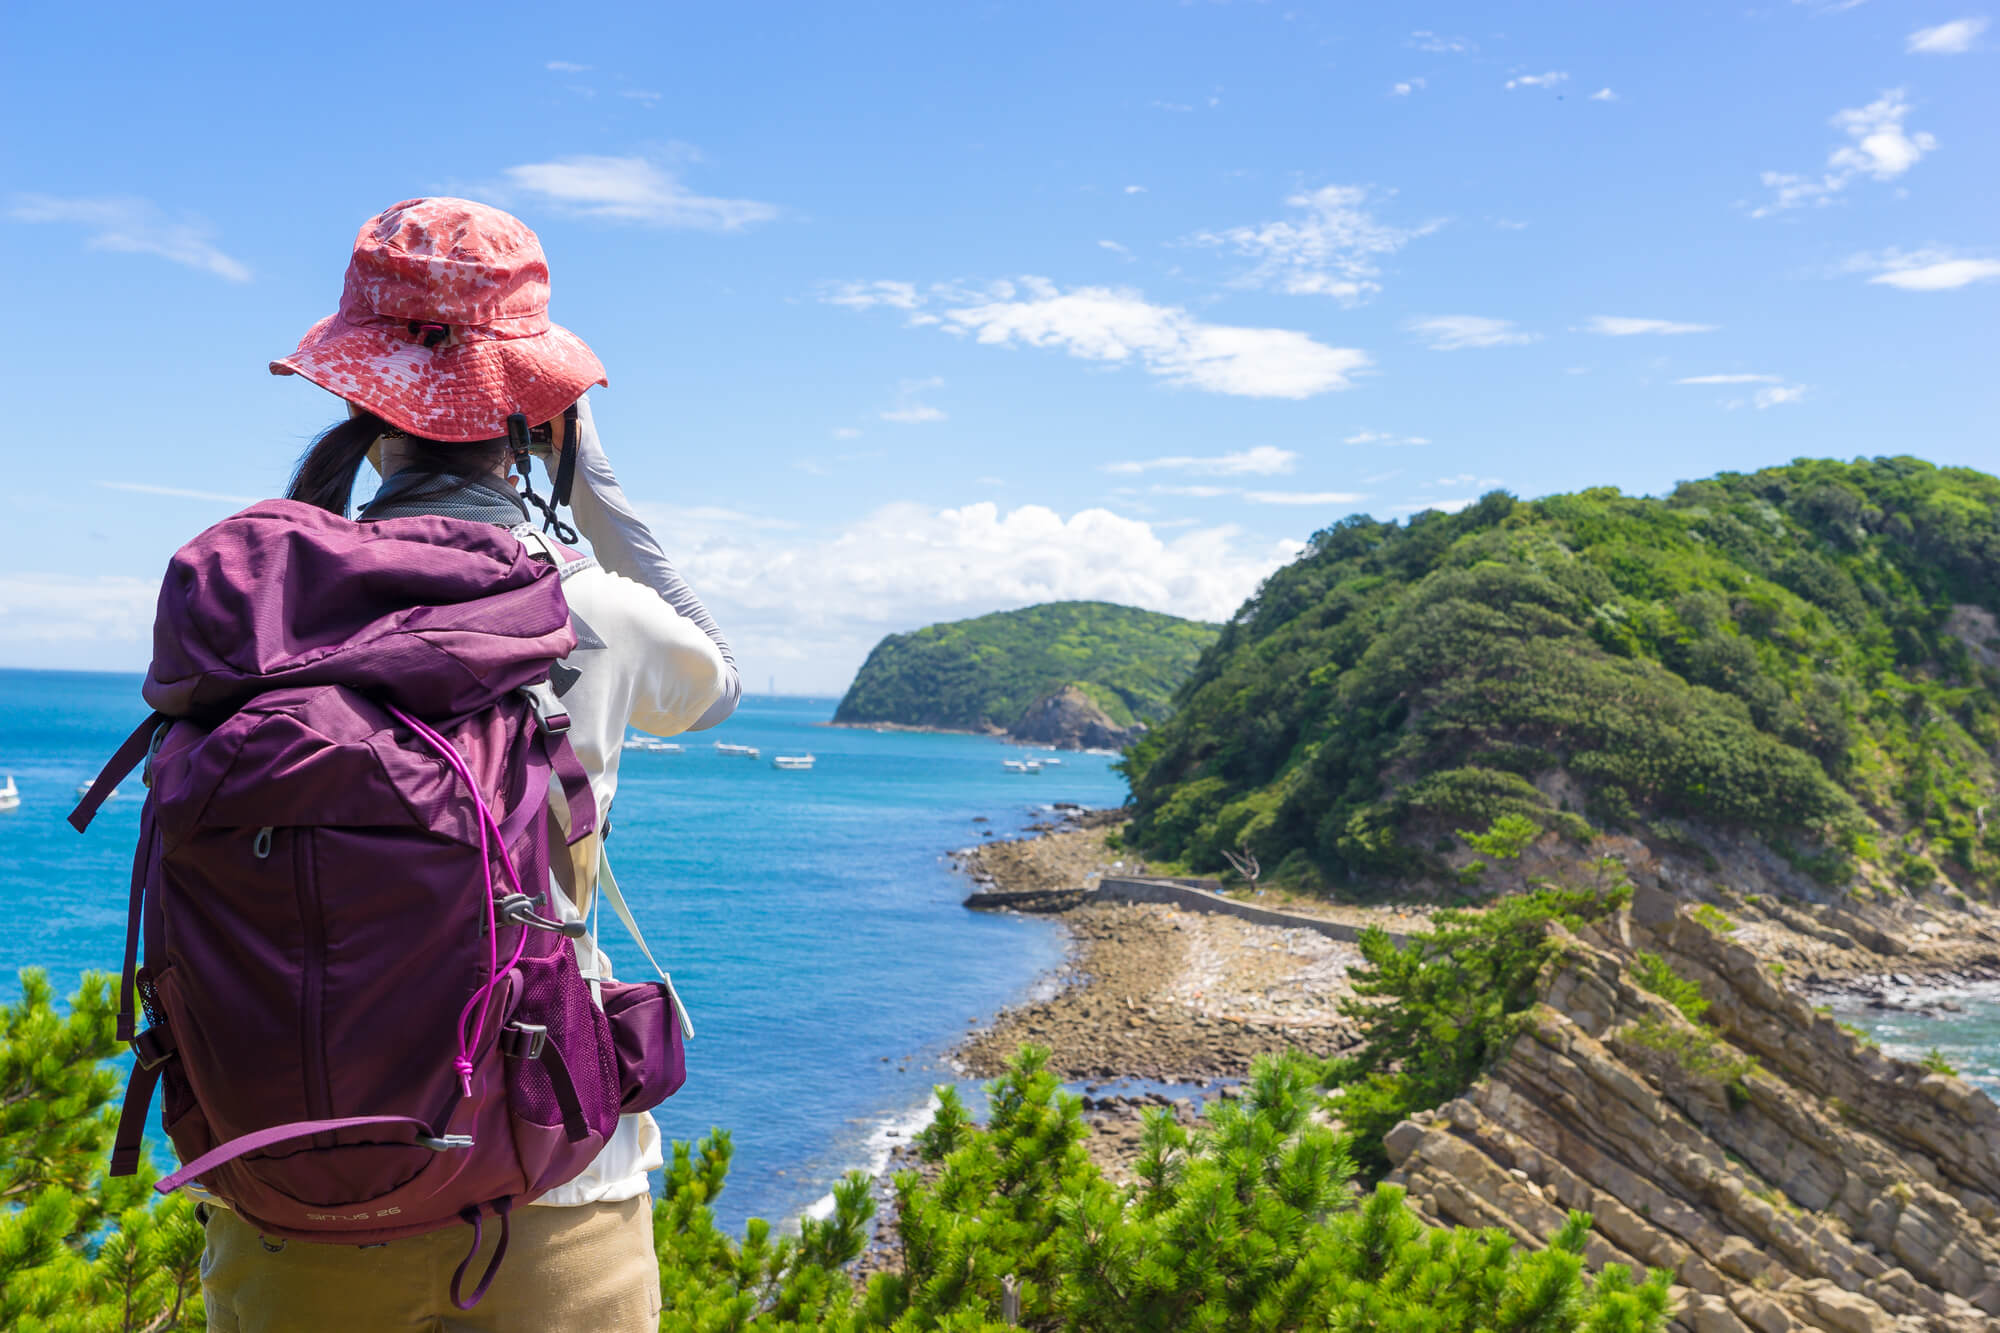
1790 1176
1069 719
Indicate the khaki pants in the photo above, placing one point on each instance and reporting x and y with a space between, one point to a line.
589 1268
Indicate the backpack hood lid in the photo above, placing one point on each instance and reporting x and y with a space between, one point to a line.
437 615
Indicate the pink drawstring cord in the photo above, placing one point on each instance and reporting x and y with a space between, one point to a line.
475 1008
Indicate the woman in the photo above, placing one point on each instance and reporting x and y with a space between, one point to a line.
442 334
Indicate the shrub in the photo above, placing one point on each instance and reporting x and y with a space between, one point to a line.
1456 996
1657 975
1934 1061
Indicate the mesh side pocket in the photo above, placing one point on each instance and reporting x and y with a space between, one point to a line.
555 995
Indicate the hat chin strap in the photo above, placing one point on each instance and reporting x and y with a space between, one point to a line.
517 440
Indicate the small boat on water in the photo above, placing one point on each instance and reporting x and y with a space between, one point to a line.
653 745
724 747
1021 765
794 762
10 795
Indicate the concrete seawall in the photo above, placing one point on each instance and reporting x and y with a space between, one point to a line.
1178 894
1173 893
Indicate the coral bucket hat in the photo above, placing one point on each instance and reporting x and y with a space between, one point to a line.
443 327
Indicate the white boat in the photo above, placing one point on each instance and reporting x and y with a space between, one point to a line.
652 745
1049 761
10 795
1021 765
792 761
724 747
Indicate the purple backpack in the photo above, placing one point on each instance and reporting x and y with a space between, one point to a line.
365 1016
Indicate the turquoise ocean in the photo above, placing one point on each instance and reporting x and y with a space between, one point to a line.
810 919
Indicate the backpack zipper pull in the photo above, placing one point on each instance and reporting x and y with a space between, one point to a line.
262 847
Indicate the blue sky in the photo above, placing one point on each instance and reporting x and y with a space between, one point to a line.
918 311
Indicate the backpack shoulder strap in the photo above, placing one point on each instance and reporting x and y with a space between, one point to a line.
545 548
607 884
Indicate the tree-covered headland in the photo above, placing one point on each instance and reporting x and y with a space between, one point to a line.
1805 656
985 673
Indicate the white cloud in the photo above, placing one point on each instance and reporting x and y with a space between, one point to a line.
1443 506
132 226
1135 189
1332 249
1382 437
1451 333
1729 379
864 295
1946 39
1878 148
1934 270
639 95
846 433
1625 326
809 606
567 67
908 410
1425 40
1261 461
1780 394
1195 492
1303 497
1104 324
633 189
104 622
1115 249
1604 95
1118 325
1548 80
177 493
1406 87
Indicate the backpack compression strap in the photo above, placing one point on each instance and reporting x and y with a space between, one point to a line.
418 1135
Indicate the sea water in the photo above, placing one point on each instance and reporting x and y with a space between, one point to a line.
1960 1022
810 919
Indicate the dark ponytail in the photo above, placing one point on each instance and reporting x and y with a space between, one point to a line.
326 471
325 476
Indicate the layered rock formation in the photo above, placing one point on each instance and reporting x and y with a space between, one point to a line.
1790 1176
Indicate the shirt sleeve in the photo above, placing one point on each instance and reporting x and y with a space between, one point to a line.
625 545
674 671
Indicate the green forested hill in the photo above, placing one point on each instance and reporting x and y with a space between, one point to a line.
985 672
1807 654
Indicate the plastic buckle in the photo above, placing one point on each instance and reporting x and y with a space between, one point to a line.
523 1041
153 752
443 1142
556 723
152 1048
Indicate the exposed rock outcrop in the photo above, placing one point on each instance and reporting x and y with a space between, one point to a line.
1069 719
1788 1175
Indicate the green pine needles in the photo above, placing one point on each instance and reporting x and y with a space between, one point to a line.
1435 1013
1249 1222
80 1253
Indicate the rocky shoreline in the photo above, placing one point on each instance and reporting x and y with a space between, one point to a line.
1789 1174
